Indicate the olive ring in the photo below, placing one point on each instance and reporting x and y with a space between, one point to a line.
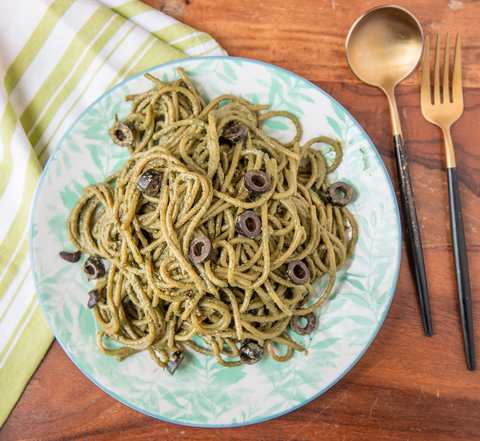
308 328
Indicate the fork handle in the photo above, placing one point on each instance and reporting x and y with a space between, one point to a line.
414 240
461 267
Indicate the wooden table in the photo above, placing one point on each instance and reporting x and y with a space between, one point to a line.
407 386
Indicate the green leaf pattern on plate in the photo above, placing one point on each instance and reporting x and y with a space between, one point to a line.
203 393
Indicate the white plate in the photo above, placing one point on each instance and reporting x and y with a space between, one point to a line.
203 393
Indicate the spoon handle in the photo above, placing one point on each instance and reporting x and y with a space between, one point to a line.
414 240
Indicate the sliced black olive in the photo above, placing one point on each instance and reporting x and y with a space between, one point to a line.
121 134
70 257
93 298
200 249
94 267
248 224
175 360
257 182
250 352
298 272
340 193
234 132
150 182
296 323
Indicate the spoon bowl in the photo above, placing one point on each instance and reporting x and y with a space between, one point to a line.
384 46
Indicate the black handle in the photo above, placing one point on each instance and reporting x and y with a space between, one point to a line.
461 267
414 240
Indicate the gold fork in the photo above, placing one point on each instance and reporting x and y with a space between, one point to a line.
443 108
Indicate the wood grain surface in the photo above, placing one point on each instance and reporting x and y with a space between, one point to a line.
407 387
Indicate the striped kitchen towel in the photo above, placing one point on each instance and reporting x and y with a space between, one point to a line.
56 57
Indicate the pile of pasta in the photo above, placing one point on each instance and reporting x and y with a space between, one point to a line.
213 233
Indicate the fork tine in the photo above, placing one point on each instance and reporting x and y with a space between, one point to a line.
457 73
446 85
436 73
425 91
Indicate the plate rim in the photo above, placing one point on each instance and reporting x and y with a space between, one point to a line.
397 259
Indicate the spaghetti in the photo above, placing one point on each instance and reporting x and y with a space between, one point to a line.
213 233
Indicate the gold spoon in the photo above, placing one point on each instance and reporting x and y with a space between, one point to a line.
383 47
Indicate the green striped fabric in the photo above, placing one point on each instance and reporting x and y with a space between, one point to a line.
57 57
